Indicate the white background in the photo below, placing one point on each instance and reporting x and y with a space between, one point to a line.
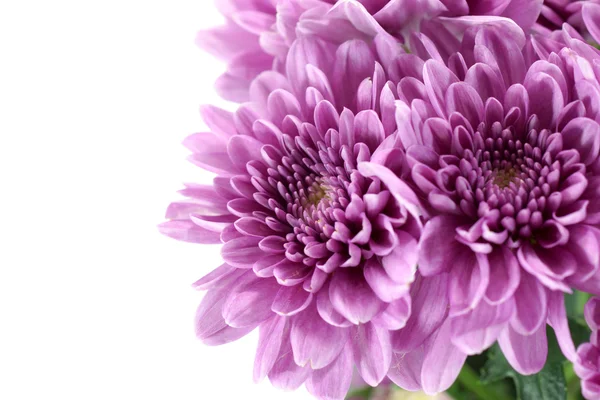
95 99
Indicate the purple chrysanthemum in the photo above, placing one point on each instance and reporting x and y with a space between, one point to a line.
258 33
503 142
319 230
587 363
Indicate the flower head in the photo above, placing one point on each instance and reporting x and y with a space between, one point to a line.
503 142
587 362
258 33
319 230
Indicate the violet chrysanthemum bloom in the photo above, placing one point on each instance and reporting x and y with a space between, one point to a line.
587 363
319 230
503 141
258 33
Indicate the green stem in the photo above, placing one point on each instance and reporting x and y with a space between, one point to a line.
573 382
470 380
582 298
364 392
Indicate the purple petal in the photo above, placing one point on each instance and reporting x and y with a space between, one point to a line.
209 319
523 12
477 330
557 318
539 263
187 231
405 368
250 304
486 81
462 98
242 252
426 315
227 335
526 354
218 120
269 343
333 381
290 273
442 363
531 305
437 246
314 341
468 282
368 129
352 297
291 300
505 275
372 352
583 135
285 373
591 16
399 189
396 314
243 149
327 311
437 78
401 263
592 313
212 278
383 286
545 98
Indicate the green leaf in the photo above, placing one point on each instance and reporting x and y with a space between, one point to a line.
548 384
496 368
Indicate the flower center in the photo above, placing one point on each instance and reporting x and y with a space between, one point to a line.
511 183
504 177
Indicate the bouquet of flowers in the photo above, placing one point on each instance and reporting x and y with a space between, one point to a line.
408 192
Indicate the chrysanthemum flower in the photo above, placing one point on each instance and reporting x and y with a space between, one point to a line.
587 363
258 33
319 230
503 141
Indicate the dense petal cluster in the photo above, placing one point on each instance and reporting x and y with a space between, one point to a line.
503 142
258 33
587 363
320 232
582 15
406 183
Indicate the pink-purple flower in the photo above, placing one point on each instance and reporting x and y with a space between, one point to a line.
258 33
587 363
406 183
502 138
319 229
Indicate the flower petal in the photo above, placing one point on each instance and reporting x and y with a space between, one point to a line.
526 354
314 341
333 381
372 352
352 296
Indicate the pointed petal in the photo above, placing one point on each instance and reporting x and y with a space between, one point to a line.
352 297
314 341
526 354
442 363
372 352
333 381
291 300
269 342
